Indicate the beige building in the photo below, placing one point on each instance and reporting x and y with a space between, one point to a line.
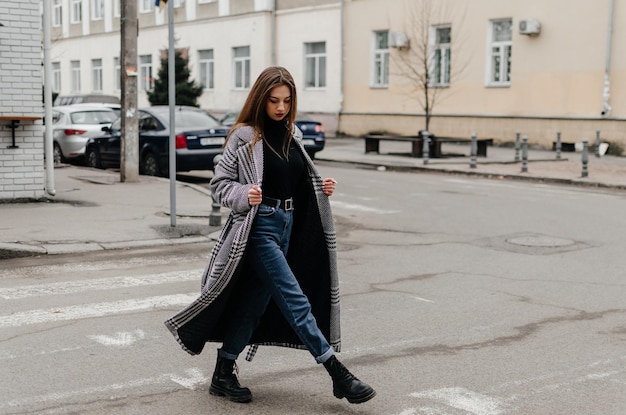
495 66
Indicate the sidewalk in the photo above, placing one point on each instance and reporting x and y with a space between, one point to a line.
92 210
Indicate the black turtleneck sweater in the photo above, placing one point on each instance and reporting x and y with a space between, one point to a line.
281 175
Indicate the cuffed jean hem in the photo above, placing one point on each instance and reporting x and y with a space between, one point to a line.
225 355
325 356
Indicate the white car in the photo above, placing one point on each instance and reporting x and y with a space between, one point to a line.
73 125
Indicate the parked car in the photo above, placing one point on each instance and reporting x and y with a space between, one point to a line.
73 125
85 99
199 138
313 136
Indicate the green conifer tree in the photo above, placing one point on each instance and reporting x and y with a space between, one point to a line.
187 92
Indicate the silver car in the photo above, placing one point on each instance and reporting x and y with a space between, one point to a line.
73 125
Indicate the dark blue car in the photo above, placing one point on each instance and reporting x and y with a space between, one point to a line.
313 136
199 138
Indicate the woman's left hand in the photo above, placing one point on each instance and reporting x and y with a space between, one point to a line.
328 186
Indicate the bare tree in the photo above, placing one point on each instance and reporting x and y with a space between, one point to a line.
424 58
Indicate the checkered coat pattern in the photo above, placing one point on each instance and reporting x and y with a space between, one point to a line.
312 255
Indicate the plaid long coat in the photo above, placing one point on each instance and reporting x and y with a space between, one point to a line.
312 255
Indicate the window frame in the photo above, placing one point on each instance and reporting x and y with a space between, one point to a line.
318 59
57 13
96 75
56 76
76 11
117 74
380 59
146 6
97 10
504 53
75 75
206 69
442 62
242 62
146 81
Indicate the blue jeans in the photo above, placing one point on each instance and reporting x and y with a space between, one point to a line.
267 251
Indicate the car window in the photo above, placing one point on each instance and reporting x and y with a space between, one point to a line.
148 123
92 117
194 119
117 124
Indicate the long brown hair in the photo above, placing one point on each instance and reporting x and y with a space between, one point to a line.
253 112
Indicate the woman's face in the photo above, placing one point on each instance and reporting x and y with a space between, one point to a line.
278 103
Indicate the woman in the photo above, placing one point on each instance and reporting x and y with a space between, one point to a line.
272 276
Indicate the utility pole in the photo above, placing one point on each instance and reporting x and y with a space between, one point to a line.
129 161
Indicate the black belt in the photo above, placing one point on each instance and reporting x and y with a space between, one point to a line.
286 204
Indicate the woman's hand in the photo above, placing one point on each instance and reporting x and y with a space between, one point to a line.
328 186
254 195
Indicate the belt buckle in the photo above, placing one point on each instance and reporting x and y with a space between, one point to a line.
289 204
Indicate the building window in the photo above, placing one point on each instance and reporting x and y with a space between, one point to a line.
116 8
57 13
440 62
75 65
241 67
206 1
146 6
500 52
56 76
315 65
76 11
117 74
96 75
380 59
145 72
178 3
205 58
97 9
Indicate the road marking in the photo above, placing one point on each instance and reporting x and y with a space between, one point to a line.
120 339
361 208
464 399
77 312
73 287
196 377
421 299
124 386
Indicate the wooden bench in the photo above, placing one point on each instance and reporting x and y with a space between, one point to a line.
372 144
15 120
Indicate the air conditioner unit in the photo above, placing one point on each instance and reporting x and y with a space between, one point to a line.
398 40
531 27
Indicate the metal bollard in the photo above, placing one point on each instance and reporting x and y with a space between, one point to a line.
597 143
524 154
215 218
473 147
517 146
558 145
425 146
585 158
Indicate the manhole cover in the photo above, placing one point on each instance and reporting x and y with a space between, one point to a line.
541 241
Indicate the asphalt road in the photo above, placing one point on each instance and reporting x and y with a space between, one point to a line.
460 296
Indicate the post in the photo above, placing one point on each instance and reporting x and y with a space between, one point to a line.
215 218
129 151
473 148
524 154
171 87
597 143
585 158
517 146
425 146
558 145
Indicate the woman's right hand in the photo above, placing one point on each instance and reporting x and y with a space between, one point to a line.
254 195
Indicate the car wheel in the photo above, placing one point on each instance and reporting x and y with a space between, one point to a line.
57 155
92 159
150 165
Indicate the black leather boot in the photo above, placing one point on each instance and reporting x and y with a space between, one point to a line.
346 385
225 382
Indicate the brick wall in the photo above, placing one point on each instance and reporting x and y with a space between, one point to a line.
21 166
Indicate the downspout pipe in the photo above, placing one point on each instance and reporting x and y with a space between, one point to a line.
47 94
341 60
273 32
606 93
